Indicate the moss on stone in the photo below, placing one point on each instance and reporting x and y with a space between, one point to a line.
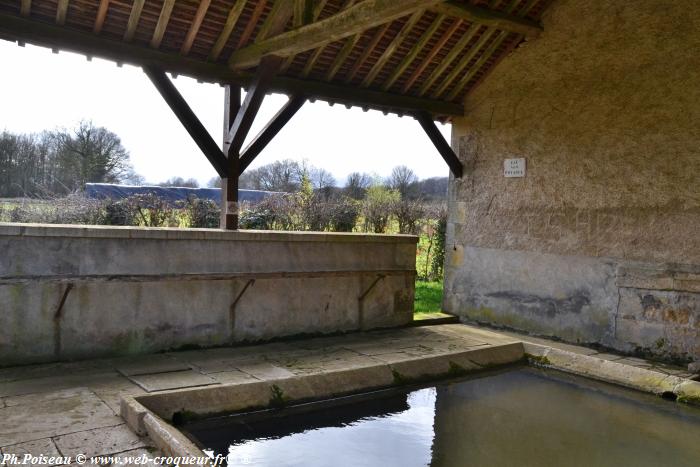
541 360
278 400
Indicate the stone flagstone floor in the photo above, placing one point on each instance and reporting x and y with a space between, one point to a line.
65 409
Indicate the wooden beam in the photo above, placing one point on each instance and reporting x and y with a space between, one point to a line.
276 20
479 63
101 15
449 58
229 185
194 26
270 131
189 120
431 55
369 48
391 48
413 53
488 17
365 15
443 147
252 22
303 12
253 100
317 9
61 11
25 7
463 62
231 21
349 44
57 37
134 17
497 37
162 25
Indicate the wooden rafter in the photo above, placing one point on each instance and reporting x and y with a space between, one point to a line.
187 117
443 147
431 55
231 21
449 58
491 18
367 52
311 62
50 35
391 48
358 18
162 25
25 7
495 44
457 71
61 12
303 12
270 131
134 17
413 53
194 26
496 38
101 15
277 19
318 8
250 25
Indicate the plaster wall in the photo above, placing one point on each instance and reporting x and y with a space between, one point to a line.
70 292
600 242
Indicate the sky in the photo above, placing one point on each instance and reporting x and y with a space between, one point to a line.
40 90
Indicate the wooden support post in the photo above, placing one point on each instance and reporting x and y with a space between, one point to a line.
443 147
229 185
188 119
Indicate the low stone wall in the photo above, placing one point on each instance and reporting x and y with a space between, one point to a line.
635 307
69 292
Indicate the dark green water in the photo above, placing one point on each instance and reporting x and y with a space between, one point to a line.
522 417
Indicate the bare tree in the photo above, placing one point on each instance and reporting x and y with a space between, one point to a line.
357 185
401 179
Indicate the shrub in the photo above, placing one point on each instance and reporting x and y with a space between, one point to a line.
344 214
202 213
408 212
376 208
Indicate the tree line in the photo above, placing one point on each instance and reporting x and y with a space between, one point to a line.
62 161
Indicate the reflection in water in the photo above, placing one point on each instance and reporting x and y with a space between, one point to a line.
523 417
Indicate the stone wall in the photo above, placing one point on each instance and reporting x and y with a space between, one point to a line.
69 292
600 242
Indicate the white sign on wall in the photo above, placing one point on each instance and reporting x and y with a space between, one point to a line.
514 167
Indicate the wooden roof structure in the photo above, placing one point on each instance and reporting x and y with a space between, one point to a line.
415 57
392 55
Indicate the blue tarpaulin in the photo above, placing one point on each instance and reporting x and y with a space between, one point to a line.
172 194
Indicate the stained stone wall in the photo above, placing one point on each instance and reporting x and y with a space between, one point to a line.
600 242
74 292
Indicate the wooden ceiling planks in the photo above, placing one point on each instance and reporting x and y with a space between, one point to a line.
432 50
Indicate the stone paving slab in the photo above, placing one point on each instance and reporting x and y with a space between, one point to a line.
61 405
83 411
172 380
102 441
154 364
39 447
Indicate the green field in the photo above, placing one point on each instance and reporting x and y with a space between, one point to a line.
428 297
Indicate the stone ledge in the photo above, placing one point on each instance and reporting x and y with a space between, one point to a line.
170 233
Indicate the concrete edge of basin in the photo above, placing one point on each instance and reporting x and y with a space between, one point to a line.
589 366
150 414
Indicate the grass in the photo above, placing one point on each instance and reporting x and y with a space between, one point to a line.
428 297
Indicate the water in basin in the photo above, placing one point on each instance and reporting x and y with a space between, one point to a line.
521 417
